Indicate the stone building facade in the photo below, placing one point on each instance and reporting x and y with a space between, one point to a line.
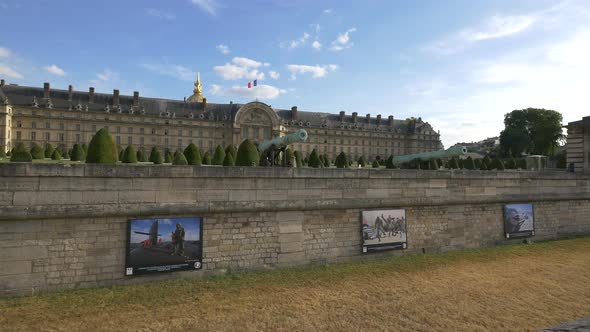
66 117
578 145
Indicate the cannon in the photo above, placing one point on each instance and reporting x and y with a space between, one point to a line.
271 148
426 156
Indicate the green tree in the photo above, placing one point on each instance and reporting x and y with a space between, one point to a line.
453 163
433 164
218 156
37 152
247 154
341 160
129 155
531 130
289 158
389 162
179 158
229 160
326 161
375 163
102 149
521 163
207 158
361 161
168 157
78 153
65 154
193 155
156 156
230 149
298 159
468 163
141 156
497 164
20 154
314 159
49 150
55 155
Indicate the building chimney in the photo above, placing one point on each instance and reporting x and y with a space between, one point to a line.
46 90
135 98
378 119
70 91
391 120
294 115
204 103
354 114
342 115
2 83
368 117
91 95
115 97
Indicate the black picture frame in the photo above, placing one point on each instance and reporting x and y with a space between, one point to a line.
391 235
519 220
143 256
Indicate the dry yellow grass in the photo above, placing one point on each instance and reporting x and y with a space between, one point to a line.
511 288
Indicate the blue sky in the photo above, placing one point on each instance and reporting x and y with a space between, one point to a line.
460 65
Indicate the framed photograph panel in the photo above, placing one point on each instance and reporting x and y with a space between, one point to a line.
383 230
519 220
163 245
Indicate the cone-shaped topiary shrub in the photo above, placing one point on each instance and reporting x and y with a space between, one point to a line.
433 164
483 167
513 163
521 163
102 149
298 159
121 153
56 155
193 155
85 148
48 150
361 161
439 162
326 161
78 153
2 153
229 160
247 154
314 159
497 164
486 159
141 157
477 163
468 163
231 149
20 154
218 156
156 156
321 158
206 158
179 158
129 155
169 157
65 154
341 160
389 162
375 163
37 152
460 163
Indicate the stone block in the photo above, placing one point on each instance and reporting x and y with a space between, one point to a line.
15 267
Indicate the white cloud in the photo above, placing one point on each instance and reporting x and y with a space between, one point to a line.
343 41
176 71
261 91
316 71
106 75
4 52
55 70
245 62
328 11
317 45
297 42
9 72
274 75
224 49
240 68
209 6
160 14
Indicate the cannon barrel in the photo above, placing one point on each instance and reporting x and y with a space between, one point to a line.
298 136
425 156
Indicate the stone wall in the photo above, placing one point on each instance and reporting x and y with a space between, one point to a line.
64 226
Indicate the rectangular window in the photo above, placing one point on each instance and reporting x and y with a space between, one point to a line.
33 136
18 135
141 140
130 130
78 127
118 130
179 143
46 137
19 124
77 138
153 131
62 137
94 128
34 125
166 142
141 130
118 140
61 126
129 140
47 125
179 132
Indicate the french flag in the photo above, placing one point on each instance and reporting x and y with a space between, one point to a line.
250 84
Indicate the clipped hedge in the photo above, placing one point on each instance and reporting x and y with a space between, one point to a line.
247 154
37 152
361 161
49 150
193 155
230 149
314 160
20 154
55 155
169 157
129 155
298 159
102 149
156 156
229 160
341 160
78 153
179 158
218 156
375 164
141 156
497 164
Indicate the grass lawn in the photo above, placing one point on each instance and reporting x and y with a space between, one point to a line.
508 288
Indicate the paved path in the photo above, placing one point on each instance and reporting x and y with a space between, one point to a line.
581 325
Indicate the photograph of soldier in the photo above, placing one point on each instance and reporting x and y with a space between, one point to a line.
383 230
158 245
519 220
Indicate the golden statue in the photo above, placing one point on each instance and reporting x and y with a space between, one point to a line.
197 92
